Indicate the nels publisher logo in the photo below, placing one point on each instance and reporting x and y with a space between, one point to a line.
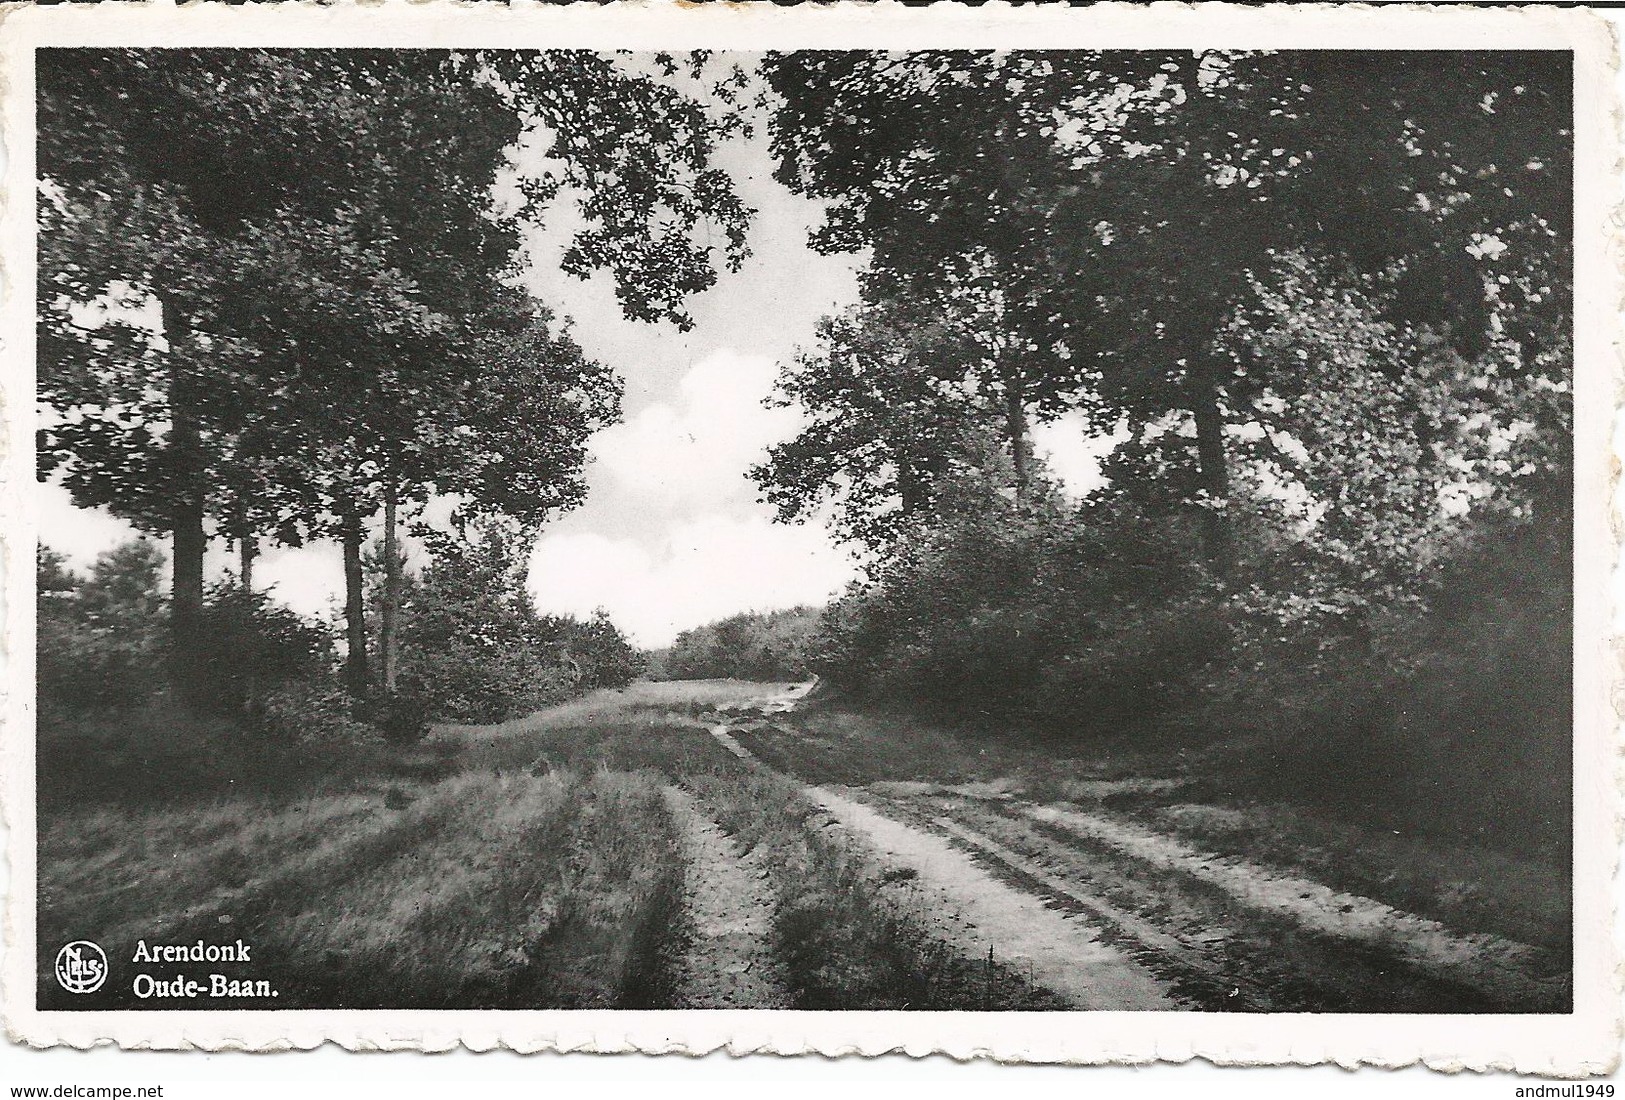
81 967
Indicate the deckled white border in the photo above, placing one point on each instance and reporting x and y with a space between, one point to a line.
1575 1045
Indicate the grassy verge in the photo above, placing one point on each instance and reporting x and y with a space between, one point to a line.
1285 966
474 891
1470 889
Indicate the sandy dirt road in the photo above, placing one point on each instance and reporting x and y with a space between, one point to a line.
728 959
979 915
982 917
1110 914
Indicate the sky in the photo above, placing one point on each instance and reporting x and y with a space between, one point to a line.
672 533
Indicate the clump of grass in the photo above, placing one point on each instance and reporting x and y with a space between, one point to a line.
123 873
638 702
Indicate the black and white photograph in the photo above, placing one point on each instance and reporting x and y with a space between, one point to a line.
1024 532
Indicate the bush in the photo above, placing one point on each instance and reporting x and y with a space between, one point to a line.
471 682
597 649
255 648
1070 617
1442 705
309 712
1452 717
402 717
101 639
772 645
107 726
473 648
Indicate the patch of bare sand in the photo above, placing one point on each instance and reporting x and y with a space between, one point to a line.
609 705
779 701
728 962
727 741
975 912
1479 959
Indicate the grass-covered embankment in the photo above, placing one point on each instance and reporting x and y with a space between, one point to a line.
479 889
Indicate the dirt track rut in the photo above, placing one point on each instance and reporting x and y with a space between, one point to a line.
977 913
728 961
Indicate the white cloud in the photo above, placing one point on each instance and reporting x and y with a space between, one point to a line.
82 534
1073 454
705 569
310 579
696 450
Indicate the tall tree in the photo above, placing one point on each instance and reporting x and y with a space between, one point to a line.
1131 198
318 228
507 436
893 410
938 165
1212 167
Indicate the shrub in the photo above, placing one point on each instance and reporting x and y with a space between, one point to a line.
597 649
471 682
255 648
309 712
1439 704
402 717
756 645
106 723
1074 617
101 638
474 649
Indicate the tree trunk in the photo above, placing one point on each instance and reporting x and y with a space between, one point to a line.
910 489
389 614
188 648
356 673
186 515
247 551
1215 472
1015 426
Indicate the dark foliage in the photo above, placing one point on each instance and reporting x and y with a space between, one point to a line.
108 726
755 645
474 649
101 638
401 717
1330 554
257 646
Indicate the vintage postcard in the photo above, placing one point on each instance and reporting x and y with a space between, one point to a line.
1046 534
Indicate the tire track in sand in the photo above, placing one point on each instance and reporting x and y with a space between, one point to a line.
975 913
728 963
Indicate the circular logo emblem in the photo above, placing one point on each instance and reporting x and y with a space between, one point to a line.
81 967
